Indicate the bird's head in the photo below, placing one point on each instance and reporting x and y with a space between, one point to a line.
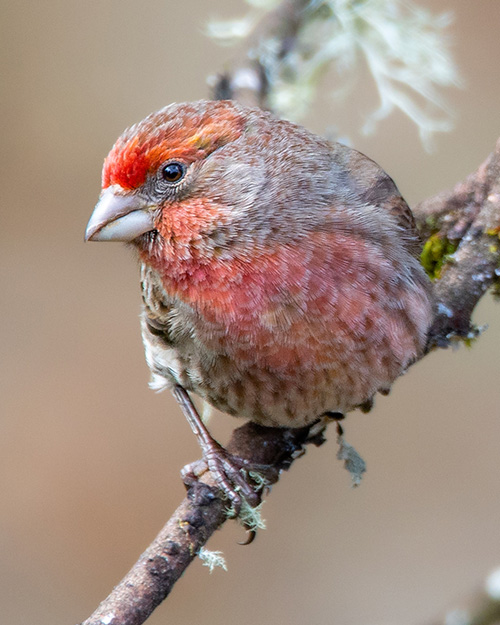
169 179
213 182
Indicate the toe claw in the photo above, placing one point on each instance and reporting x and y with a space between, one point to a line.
230 476
250 538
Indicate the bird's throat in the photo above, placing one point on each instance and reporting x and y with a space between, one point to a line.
204 279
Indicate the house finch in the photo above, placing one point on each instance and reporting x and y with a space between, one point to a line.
280 272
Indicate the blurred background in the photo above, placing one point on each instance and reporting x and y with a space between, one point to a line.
90 457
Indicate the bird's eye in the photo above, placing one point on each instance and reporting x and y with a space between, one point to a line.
173 172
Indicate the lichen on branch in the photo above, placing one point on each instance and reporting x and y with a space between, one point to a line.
295 43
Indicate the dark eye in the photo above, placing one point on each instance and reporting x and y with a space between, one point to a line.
173 172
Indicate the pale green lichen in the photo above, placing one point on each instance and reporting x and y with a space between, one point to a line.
251 518
404 46
353 462
259 480
471 337
212 559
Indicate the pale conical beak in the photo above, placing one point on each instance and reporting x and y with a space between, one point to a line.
119 217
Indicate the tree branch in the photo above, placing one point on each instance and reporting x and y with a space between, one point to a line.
466 222
250 83
203 511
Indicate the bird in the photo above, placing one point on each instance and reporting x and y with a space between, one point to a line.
280 272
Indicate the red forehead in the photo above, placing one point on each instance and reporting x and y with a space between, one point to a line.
186 132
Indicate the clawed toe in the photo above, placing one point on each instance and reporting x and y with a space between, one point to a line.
229 473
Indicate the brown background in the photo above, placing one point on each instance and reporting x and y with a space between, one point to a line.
89 456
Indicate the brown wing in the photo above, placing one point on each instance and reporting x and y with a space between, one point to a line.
374 186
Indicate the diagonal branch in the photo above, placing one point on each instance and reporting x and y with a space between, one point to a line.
466 222
203 511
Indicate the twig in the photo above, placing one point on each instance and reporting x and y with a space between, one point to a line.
250 82
468 219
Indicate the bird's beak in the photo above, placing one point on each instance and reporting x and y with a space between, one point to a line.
119 217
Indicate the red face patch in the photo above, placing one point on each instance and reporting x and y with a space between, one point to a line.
177 132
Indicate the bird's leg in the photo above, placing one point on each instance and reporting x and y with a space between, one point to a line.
225 468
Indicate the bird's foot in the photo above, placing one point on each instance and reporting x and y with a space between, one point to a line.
230 473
